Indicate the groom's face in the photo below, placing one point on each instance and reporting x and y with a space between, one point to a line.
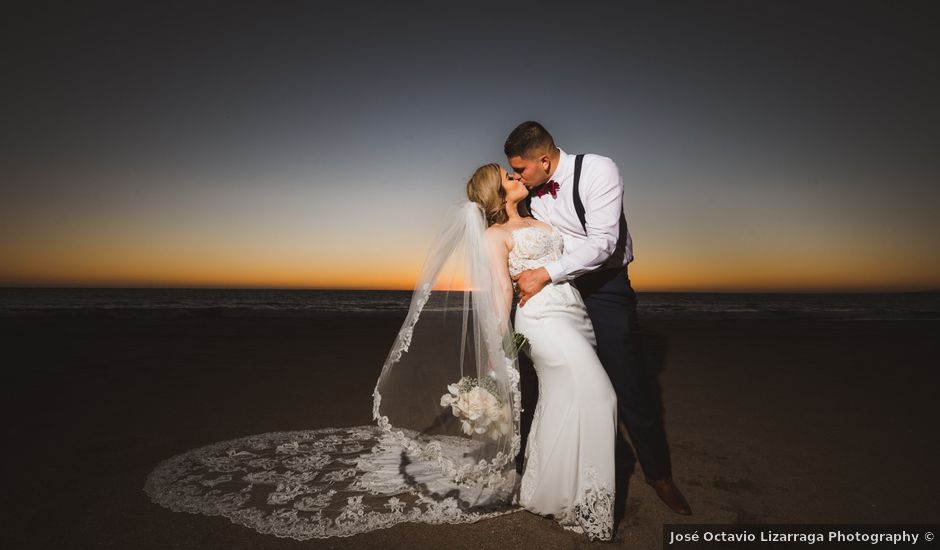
531 171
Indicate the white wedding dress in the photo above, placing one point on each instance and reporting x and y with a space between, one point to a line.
569 458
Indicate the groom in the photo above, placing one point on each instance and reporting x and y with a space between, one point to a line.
582 196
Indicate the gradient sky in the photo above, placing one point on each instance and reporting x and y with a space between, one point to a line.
763 145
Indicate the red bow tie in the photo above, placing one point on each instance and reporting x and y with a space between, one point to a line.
550 186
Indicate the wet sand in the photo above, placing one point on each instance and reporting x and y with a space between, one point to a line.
769 421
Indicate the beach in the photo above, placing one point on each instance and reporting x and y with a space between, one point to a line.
768 420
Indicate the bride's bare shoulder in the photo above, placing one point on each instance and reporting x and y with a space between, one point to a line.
499 233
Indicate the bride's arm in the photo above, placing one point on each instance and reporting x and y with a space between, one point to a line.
499 246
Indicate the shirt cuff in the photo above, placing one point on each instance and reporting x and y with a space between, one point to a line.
555 270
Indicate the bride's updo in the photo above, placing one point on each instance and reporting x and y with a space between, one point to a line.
486 189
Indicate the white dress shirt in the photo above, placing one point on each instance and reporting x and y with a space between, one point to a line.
601 190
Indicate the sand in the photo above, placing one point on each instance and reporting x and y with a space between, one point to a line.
769 421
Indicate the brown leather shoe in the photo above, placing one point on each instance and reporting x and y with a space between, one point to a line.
670 494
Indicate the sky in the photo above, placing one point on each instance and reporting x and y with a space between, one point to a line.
764 146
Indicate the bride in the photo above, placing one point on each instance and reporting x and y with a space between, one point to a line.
569 458
446 406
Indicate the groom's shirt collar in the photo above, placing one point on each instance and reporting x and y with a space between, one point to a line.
565 169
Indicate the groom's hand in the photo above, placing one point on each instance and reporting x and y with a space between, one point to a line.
530 282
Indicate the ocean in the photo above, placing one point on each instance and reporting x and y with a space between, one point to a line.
179 302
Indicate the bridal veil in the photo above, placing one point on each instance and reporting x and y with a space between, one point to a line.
443 447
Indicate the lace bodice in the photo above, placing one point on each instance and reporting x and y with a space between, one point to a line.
533 248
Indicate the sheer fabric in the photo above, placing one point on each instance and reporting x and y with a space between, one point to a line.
420 462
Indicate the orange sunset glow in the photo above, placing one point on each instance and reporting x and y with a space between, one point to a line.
204 260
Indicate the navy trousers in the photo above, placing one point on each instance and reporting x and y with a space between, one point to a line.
611 305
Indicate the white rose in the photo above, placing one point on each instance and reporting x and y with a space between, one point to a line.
463 404
446 399
476 403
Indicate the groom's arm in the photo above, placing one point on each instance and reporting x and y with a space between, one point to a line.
602 195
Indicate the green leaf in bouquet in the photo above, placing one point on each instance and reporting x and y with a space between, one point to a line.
513 343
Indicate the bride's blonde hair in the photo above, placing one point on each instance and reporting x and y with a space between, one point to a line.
486 189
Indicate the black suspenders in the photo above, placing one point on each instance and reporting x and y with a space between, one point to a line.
578 205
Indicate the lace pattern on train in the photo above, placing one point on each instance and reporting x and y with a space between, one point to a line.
593 511
320 483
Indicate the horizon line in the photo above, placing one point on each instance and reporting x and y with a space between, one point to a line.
372 289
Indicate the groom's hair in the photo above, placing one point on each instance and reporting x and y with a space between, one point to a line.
528 138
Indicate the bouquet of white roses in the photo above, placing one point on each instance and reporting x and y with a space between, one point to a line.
476 402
